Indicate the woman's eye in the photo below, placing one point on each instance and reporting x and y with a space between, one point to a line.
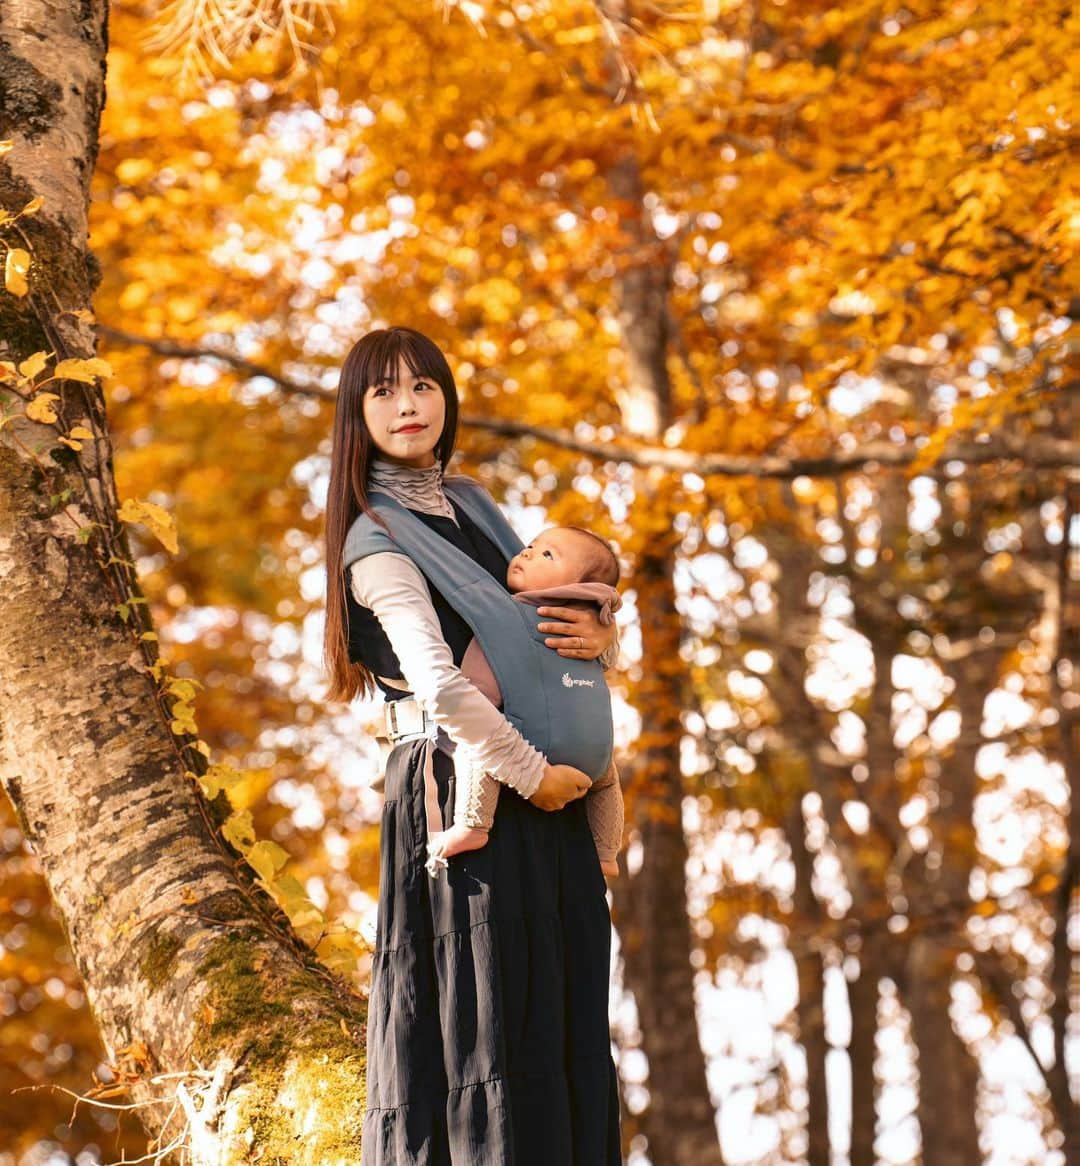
380 391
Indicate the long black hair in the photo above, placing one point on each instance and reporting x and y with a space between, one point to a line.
373 358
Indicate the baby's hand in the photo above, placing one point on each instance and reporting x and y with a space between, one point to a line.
445 844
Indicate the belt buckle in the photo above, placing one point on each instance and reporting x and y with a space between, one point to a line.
402 722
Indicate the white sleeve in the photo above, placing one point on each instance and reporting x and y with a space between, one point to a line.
392 587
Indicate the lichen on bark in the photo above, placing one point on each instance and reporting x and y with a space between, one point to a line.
159 959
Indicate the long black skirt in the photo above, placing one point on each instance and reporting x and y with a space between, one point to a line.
488 1040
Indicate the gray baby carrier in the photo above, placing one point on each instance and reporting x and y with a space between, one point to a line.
560 706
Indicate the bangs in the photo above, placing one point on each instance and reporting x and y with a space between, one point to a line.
390 347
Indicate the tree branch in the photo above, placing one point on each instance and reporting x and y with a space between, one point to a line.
1040 451
1000 983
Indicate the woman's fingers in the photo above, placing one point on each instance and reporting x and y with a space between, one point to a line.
571 615
575 633
563 621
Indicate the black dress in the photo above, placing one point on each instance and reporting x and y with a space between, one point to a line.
488 1040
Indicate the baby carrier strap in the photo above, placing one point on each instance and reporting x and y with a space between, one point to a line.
546 697
365 537
479 505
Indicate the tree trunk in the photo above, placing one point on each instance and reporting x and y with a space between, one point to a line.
182 965
862 1051
948 1074
1063 979
939 898
650 906
811 1006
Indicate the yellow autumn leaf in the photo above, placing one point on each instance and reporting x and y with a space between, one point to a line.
239 830
86 371
40 408
338 953
157 518
302 912
218 778
6 147
267 858
33 206
182 687
68 442
81 431
16 266
32 365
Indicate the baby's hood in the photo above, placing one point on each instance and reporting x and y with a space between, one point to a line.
607 599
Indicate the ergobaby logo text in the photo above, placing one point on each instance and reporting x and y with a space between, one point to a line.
570 682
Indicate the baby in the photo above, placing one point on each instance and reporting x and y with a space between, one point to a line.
567 566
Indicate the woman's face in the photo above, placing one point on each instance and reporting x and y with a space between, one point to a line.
405 417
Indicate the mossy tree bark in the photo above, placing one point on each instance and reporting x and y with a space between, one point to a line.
184 964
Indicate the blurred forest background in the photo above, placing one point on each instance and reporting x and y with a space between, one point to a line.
775 296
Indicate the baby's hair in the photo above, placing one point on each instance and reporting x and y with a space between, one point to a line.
603 564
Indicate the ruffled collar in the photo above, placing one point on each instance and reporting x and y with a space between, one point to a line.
415 489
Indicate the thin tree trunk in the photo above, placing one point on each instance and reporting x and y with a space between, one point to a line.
796 625
179 960
940 901
862 1051
811 1006
874 594
948 1074
1063 978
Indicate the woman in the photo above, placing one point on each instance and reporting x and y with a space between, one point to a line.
488 1041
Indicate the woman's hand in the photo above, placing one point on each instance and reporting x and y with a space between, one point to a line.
579 634
560 784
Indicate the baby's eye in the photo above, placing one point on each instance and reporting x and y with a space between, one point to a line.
548 555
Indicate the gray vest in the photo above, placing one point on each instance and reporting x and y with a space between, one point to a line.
560 706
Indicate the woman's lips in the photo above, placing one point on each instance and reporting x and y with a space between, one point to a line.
410 429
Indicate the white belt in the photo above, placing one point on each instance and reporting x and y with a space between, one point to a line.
407 720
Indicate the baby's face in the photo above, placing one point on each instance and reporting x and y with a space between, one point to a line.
556 556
